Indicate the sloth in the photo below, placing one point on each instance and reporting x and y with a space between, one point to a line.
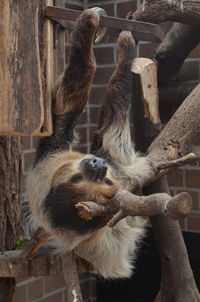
61 177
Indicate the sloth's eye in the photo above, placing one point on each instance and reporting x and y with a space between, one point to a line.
109 182
76 178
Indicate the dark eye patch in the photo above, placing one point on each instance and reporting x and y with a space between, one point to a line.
109 182
76 178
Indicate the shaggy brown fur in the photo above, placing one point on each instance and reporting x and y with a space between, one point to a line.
61 177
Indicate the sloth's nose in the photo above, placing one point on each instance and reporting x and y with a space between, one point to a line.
98 163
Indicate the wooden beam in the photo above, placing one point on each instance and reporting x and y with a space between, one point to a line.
13 265
141 30
21 94
26 61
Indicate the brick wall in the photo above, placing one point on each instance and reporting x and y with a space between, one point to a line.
187 178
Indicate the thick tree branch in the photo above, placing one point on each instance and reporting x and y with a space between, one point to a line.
181 135
125 204
177 144
177 282
189 158
156 11
176 46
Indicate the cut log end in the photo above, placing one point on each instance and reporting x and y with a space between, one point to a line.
183 205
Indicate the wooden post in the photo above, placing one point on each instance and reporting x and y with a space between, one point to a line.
10 198
26 68
69 265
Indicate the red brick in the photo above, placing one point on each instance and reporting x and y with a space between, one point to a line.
73 6
53 283
92 130
192 178
28 160
85 289
82 149
94 115
103 75
35 289
175 178
58 297
189 71
82 135
35 141
124 7
83 118
147 50
195 53
193 222
26 142
183 223
20 294
19 280
91 1
98 95
104 55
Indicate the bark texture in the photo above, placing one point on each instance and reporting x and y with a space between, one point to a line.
178 138
125 204
177 280
73 291
176 46
10 198
156 11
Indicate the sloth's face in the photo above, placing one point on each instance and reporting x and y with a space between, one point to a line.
85 177
81 178
92 178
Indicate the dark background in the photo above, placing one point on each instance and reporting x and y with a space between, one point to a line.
145 283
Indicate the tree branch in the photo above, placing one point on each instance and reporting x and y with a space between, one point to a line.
176 46
125 204
189 158
156 11
180 137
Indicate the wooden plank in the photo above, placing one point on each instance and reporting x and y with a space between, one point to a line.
21 90
141 30
47 67
13 265
59 45
145 72
25 100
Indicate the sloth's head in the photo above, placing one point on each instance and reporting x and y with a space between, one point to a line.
81 179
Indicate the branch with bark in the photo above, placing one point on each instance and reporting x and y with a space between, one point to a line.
125 204
176 46
176 140
156 11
